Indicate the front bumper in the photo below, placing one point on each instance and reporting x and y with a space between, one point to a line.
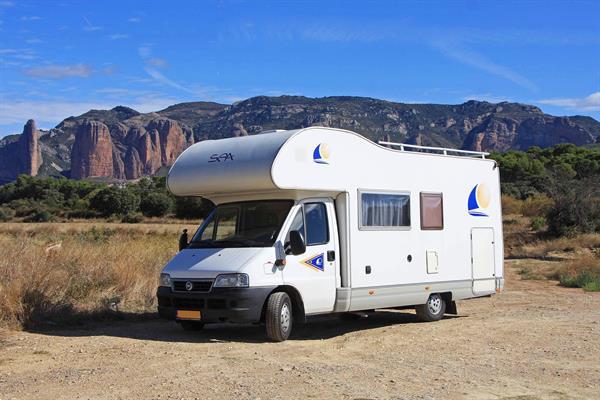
241 305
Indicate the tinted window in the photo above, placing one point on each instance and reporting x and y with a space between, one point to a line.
432 211
385 210
315 217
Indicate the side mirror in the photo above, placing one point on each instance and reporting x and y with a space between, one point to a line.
297 244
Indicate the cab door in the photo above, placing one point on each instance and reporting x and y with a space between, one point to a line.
314 272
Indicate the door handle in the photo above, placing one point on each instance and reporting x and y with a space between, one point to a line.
331 255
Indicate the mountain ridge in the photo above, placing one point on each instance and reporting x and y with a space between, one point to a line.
122 143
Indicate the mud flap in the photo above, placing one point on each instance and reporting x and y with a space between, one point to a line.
451 308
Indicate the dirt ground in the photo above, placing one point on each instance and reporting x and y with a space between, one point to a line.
534 341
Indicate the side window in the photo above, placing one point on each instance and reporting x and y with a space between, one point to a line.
317 230
297 225
432 211
384 211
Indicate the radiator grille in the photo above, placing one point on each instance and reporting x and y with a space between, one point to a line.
197 286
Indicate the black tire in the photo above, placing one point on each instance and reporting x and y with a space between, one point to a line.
433 310
191 325
278 317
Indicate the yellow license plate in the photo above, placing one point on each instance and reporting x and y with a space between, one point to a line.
188 314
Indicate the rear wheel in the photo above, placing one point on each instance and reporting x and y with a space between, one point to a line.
433 310
278 317
191 325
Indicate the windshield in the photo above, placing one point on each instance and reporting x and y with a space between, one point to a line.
243 224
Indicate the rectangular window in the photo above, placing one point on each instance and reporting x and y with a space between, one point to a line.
384 211
432 211
317 231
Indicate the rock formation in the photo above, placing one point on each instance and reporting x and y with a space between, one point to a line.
92 153
30 155
21 154
122 143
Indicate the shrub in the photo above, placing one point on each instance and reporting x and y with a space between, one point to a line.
576 206
86 214
510 205
6 214
39 216
538 223
537 205
156 204
583 273
132 218
114 200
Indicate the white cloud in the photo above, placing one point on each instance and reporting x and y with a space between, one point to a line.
118 36
7 3
59 71
340 34
135 20
89 27
30 18
589 103
157 62
480 62
33 41
145 51
160 78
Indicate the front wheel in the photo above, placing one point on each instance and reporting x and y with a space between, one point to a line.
278 317
433 310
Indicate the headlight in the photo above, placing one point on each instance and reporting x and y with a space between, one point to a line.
165 280
232 280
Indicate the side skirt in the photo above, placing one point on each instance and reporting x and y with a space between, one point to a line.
403 295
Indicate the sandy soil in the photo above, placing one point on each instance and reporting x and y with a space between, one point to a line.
534 341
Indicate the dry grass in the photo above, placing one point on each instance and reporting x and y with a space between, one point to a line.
559 247
53 273
583 272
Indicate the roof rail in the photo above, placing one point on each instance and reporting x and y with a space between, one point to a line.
441 150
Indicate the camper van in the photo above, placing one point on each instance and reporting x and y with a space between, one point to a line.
319 220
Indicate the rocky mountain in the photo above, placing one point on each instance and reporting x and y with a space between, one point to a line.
21 154
122 143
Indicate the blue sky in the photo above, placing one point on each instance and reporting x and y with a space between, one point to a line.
61 58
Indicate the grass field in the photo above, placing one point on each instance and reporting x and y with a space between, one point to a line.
63 273
58 273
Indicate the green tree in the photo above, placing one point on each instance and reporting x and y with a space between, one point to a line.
156 204
192 207
113 200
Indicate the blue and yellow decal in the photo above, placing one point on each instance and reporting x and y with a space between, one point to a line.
315 262
479 200
321 154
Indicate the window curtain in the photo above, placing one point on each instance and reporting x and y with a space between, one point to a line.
385 210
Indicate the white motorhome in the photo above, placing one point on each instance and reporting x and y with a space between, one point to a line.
320 220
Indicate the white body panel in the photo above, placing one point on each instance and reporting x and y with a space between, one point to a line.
406 264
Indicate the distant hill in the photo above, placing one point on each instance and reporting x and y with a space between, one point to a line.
122 143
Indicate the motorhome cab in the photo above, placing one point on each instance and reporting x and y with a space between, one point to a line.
321 220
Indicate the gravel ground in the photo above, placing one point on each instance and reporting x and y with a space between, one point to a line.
534 341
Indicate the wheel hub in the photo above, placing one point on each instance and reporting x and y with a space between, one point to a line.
285 318
435 305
